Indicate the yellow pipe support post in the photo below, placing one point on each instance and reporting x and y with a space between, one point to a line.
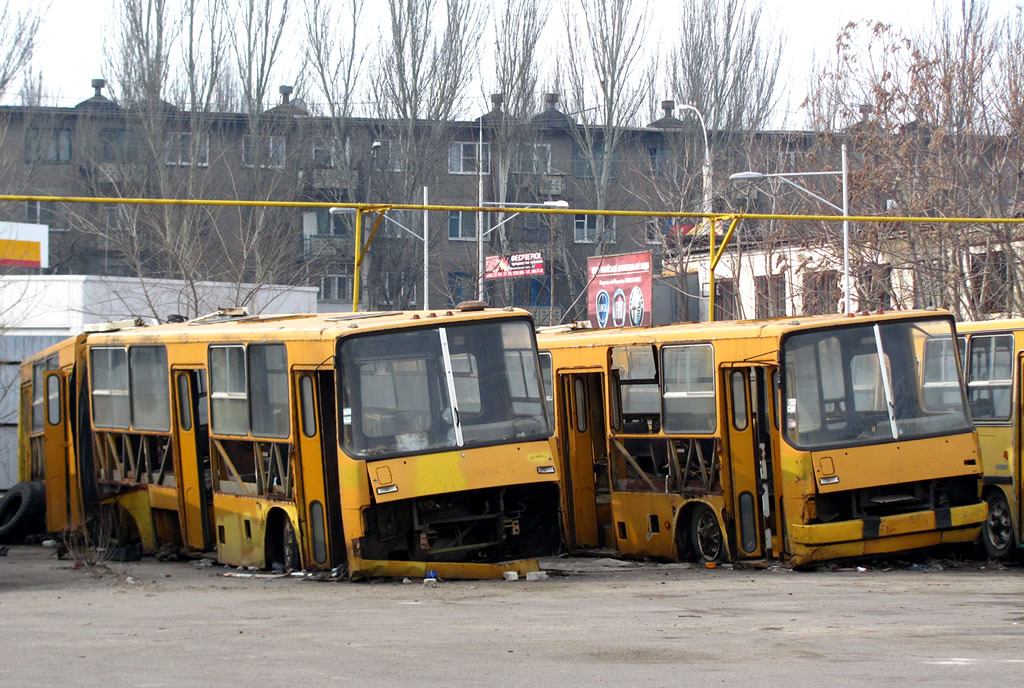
373 233
358 260
717 256
711 274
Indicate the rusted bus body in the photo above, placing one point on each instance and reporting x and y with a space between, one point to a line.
992 361
387 443
800 440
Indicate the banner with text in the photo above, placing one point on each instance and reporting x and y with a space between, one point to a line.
620 290
516 265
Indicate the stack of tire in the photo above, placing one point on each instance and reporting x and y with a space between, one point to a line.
23 512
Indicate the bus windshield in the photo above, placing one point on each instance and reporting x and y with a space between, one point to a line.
440 388
866 384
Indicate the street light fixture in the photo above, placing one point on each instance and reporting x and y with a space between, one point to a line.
845 210
706 172
481 234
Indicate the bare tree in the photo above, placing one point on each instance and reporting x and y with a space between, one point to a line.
418 75
18 31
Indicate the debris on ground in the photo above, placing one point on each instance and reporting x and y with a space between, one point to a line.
533 576
510 576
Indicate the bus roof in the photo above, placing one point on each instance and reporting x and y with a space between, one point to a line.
1005 324
724 329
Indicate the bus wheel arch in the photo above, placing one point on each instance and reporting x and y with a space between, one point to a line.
706 535
281 542
697 528
997 533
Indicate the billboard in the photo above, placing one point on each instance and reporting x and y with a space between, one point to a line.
619 291
516 265
24 245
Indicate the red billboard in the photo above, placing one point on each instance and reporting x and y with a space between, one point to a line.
516 265
619 292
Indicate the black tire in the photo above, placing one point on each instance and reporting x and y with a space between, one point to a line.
706 539
997 532
22 512
290 547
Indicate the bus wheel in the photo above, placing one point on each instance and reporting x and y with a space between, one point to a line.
705 535
290 547
997 533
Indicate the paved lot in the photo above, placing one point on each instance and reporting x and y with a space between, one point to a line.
171 624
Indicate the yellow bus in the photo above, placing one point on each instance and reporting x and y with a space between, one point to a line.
992 354
382 443
800 440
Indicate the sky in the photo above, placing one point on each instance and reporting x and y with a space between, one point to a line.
70 51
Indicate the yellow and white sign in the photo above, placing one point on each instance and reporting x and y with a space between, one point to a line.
24 245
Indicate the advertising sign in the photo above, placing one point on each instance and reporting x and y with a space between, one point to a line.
24 245
619 294
516 265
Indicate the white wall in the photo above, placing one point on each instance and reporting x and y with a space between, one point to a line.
63 304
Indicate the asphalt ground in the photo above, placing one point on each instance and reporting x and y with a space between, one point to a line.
592 622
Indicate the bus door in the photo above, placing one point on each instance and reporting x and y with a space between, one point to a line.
194 480
55 447
587 481
318 468
749 461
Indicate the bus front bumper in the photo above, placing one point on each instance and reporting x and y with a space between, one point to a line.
368 568
886 534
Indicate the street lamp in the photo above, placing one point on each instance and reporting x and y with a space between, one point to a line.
845 210
706 168
480 234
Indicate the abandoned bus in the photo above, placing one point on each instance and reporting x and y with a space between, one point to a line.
991 356
384 443
799 440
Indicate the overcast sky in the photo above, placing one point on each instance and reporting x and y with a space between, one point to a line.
70 51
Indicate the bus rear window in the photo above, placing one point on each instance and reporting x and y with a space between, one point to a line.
110 408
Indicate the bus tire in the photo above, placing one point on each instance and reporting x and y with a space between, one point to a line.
22 512
997 532
706 539
282 545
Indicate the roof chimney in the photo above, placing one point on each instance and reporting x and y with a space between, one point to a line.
865 109
551 101
286 92
496 100
98 84
668 106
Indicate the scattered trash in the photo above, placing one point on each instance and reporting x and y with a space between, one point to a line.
49 543
266 576
430 582
861 569
532 576
293 574
130 581
710 564
202 563
511 576
406 581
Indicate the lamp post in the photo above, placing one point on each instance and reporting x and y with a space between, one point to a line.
482 233
706 167
845 210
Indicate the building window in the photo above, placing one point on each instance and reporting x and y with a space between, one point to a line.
460 287
534 158
655 229
178 149
990 282
113 145
47 145
321 222
531 291
586 229
770 299
462 158
589 166
657 158
263 151
725 300
337 287
461 225
874 288
42 213
326 154
821 292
